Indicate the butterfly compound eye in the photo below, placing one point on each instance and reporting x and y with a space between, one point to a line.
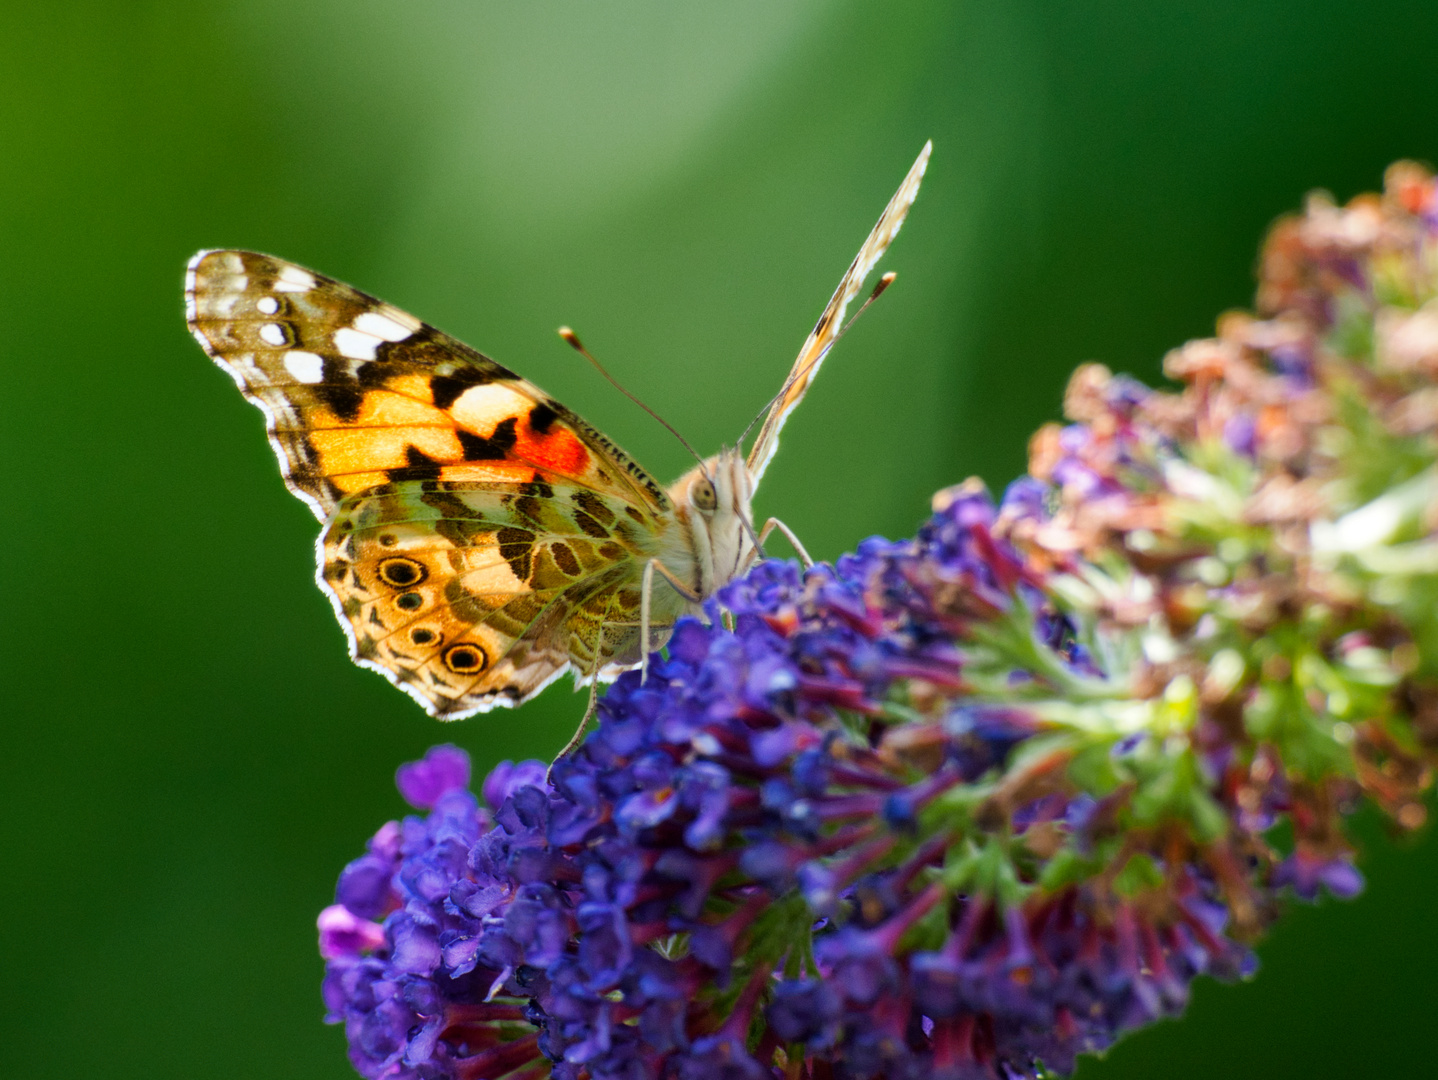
703 497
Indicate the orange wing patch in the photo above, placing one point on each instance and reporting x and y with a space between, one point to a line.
490 434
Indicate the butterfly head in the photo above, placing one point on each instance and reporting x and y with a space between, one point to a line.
712 502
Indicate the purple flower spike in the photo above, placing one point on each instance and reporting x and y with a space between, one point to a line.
969 805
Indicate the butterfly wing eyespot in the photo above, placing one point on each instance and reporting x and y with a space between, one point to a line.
466 659
517 584
401 573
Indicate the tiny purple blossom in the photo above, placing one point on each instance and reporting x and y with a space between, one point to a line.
443 769
342 933
1305 872
508 776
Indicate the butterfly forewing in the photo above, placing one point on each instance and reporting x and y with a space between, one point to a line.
831 322
479 534
358 393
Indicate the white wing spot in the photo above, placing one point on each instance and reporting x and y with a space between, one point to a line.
404 318
272 334
293 279
244 365
381 326
355 345
483 408
222 304
267 305
306 367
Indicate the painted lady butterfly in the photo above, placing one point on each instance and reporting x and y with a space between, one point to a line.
479 538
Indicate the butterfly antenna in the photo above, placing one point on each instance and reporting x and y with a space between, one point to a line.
573 339
578 346
882 284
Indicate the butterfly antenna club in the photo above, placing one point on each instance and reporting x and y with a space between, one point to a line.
882 284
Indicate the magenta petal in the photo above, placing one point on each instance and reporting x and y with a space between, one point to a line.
344 934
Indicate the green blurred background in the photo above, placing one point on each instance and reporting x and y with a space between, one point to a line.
188 756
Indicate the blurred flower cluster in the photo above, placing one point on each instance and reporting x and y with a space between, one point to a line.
964 806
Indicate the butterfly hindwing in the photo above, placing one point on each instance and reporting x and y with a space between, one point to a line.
469 595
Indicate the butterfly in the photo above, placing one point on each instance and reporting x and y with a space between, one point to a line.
479 538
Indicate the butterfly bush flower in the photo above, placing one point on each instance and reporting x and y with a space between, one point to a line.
965 806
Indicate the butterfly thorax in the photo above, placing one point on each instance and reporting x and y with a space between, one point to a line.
712 544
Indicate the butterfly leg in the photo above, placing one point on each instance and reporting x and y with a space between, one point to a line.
589 709
774 523
644 605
